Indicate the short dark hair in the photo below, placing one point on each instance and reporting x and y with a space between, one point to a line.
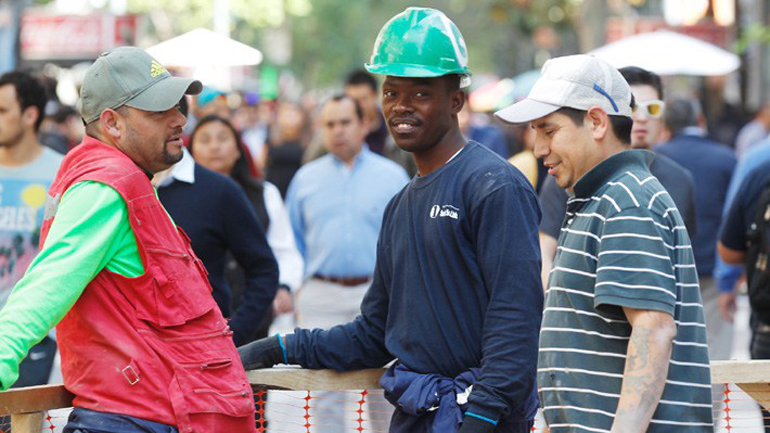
452 82
638 76
63 113
621 125
29 92
360 76
681 113
341 97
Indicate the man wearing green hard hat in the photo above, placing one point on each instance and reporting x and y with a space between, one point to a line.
456 298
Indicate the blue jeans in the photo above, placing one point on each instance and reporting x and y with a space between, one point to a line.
90 421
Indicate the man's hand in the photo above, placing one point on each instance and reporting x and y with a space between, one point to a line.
476 425
727 305
263 353
283 302
644 377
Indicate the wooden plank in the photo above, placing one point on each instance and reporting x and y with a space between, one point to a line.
39 398
27 422
34 399
738 372
759 391
315 380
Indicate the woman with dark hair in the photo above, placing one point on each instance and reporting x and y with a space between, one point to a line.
216 145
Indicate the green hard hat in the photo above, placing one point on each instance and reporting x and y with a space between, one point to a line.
420 42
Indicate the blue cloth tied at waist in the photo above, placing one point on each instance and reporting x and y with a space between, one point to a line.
426 402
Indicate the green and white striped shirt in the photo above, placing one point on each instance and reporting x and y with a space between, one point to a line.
622 244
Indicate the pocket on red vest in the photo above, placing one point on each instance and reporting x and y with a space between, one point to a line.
213 385
216 391
180 290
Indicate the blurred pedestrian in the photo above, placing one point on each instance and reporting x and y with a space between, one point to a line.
286 145
215 144
757 130
335 204
711 165
361 86
728 276
27 170
254 129
525 160
485 133
744 239
722 119
63 129
211 101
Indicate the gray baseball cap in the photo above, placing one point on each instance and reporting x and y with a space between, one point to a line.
129 76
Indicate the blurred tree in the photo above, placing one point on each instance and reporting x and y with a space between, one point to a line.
334 39
329 37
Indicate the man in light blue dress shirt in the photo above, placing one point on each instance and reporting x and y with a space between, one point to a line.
336 204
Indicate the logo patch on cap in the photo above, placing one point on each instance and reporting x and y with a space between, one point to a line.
157 69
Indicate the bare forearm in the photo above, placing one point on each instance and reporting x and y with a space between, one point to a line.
548 247
644 378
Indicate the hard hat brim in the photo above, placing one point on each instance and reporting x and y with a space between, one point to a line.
412 70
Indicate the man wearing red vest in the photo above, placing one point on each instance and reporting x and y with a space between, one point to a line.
144 347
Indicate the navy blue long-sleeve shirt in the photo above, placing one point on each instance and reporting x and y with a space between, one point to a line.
711 165
456 286
216 215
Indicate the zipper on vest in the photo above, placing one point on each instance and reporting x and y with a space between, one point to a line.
225 332
221 394
168 253
211 365
216 364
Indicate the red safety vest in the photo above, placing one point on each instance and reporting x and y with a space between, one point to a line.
156 346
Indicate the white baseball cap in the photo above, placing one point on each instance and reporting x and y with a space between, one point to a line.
581 82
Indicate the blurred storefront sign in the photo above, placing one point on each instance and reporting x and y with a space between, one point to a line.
687 13
48 36
619 28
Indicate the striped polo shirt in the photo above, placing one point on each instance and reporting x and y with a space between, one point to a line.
622 244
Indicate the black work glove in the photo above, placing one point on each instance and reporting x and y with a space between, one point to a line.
475 425
263 353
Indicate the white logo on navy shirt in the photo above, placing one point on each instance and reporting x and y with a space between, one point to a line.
444 211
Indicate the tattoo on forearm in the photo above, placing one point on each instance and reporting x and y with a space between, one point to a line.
643 380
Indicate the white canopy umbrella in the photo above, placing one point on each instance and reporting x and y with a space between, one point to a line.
204 48
669 53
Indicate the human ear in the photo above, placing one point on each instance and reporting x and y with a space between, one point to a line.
457 101
598 121
112 123
30 116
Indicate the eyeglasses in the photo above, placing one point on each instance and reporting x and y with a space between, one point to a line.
652 108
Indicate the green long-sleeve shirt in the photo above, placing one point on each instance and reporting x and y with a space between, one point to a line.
91 232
